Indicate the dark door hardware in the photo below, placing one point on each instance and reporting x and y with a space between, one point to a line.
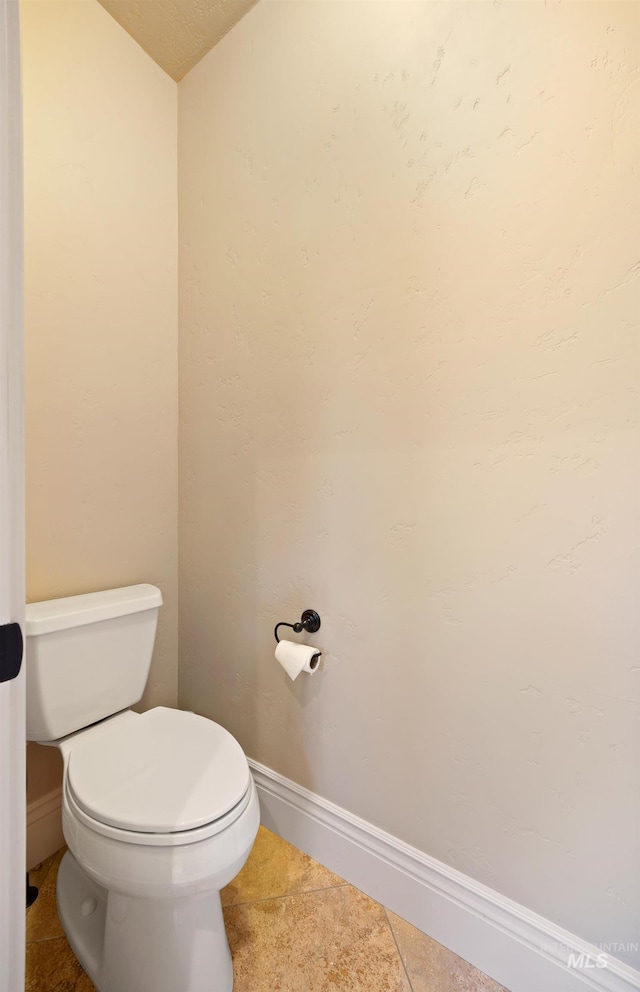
10 651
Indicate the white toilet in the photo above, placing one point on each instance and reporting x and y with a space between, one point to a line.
159 809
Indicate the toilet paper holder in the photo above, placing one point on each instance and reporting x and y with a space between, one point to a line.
309 621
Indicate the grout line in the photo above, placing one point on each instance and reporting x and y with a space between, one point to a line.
395 940
45 940
285 895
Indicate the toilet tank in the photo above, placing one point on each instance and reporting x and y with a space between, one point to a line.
87 657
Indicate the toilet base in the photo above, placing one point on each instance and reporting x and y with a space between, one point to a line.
127 944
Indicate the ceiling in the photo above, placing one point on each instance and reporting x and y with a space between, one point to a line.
177 33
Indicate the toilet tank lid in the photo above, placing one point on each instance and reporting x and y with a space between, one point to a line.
76 611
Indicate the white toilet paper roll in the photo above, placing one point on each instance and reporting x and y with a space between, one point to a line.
296 658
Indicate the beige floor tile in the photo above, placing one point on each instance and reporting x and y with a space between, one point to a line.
42 917
53 967
276 868
293 926
38 874
336 940
433 968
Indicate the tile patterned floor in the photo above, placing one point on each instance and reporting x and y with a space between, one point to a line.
293 926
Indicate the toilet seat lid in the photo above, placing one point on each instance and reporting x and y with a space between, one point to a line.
164 772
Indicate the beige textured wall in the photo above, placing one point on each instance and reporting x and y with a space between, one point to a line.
177 33
409 399
100 123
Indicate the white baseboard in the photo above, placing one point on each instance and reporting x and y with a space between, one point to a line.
517 948
44 827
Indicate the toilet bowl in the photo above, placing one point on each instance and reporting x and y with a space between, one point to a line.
159 809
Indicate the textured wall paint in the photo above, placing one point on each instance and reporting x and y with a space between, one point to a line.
101 315
409 399
177 33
